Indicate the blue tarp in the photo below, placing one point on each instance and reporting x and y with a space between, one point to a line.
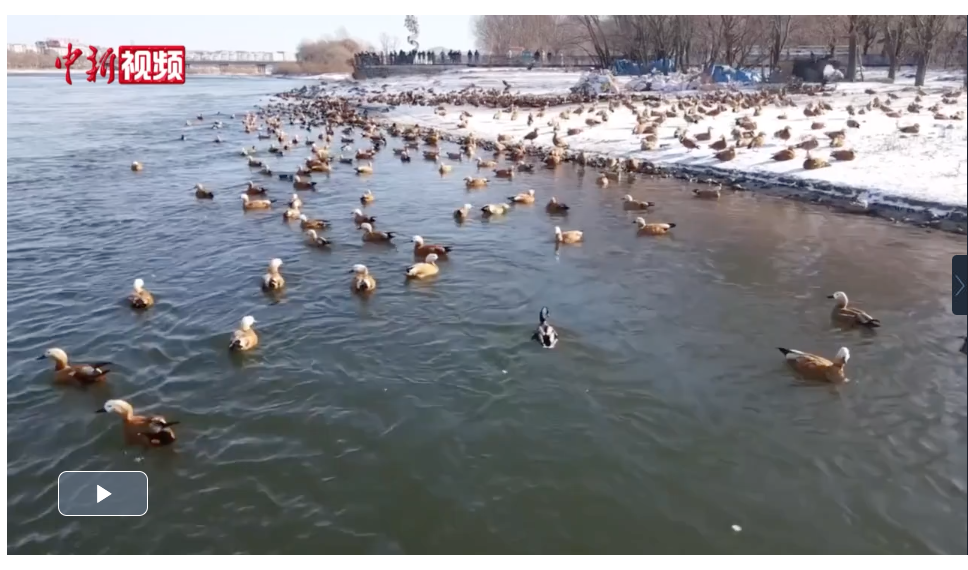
628 67
726 74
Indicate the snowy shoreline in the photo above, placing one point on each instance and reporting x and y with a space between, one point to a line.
921 177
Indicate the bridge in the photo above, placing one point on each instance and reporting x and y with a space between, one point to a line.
225 61
199 65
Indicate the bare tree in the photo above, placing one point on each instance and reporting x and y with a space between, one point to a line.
389 43
498 34
895 30
597 38
925 32
779 34
853 30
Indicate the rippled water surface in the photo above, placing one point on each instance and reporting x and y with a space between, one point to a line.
422 419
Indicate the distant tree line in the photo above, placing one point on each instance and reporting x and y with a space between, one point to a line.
732 40
326 55
30 60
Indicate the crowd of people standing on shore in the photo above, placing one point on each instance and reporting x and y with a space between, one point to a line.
453 57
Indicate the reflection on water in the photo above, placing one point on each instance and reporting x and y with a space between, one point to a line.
422 418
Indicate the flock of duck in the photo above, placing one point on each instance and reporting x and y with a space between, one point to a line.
328 113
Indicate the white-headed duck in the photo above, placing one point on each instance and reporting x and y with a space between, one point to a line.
427 268
421 249
571 236
76 373
362 282
244 338
546 335
369 235
814 367
273 280
140 298
849 315
154 431
654 229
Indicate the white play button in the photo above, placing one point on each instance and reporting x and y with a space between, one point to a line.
102 493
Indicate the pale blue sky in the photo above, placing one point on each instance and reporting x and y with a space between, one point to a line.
246 33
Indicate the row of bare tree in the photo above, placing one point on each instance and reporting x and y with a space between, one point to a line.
731 40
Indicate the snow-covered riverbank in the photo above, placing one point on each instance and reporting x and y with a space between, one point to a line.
927 170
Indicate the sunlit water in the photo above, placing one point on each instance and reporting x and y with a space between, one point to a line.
422 419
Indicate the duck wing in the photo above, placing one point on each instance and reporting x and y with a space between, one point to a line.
862 317
806 362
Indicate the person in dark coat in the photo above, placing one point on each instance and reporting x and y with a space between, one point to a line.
470 56
477 56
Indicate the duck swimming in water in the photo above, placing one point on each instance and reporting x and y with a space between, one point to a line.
813 367
850 316
154 431
78 373
140 298
273 280
244 338
359 218
427 268
362 282
546 335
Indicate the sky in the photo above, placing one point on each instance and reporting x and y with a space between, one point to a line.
236 33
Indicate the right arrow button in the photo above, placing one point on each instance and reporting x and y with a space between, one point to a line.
959 276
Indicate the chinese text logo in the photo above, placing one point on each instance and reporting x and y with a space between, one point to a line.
151 65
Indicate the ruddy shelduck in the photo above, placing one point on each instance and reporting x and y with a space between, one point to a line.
461 214
306 223
850 316
523 198
556 207
813 367
495 209
65 372
421 249
365 168
471 182
369 235
140 298
315 240
571 236
249 204
630 203
137 166
654 229
202 194
359 218
427 268
362 281
244 338
153 431
367 197
273 280
295 202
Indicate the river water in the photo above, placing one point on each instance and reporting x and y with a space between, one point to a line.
422 420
